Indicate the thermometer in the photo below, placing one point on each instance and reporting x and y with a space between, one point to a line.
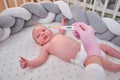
63 27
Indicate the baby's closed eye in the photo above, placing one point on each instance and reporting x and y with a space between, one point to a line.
38 36
43 30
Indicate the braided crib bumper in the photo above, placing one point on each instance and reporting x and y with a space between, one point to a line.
12 20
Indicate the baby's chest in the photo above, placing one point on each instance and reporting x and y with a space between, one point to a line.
62 49
62 46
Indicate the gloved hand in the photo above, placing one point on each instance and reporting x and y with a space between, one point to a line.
86 34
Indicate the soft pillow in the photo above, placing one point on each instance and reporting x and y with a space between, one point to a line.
36 9
96 22
31 21
1 32
6 21
116 40
50 6
112 25
18 25
58 17
17 12
106 35
6 34
78 13
71 21
48 19
65 9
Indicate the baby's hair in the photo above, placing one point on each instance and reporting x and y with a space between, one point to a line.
33 35
34 31
38 25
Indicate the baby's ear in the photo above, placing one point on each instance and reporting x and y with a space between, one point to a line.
35 40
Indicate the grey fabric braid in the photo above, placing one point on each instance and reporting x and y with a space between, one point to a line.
12 20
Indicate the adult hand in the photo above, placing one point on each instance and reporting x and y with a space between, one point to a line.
86 34
82 28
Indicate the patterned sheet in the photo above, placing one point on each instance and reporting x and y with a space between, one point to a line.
22 44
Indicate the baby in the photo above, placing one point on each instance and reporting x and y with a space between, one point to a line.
64 47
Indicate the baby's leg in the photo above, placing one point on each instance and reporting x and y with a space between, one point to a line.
103 62
110 65
110 51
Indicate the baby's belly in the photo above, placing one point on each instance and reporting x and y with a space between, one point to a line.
66 54
66 49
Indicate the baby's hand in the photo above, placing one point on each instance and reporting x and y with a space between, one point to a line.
64 21
23 62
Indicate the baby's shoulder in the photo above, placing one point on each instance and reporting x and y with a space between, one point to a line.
59 35
44 47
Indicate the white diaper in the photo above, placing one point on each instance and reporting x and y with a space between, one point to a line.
81 56
93 72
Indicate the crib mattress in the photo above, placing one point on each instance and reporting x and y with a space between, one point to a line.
22 44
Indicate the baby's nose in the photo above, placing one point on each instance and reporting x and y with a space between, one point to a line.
42 33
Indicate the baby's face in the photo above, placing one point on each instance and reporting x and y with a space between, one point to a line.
42 35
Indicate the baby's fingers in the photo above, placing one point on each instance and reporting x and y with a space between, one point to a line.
23 65
22 59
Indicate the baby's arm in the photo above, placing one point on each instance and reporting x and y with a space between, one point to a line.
61 31
35 62
63 23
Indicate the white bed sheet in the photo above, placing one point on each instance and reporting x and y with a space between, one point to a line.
22 44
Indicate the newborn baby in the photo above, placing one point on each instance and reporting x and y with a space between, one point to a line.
59 45
63 47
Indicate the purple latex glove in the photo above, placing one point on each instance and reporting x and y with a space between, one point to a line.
86 34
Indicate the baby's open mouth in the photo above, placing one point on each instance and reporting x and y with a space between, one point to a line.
45 37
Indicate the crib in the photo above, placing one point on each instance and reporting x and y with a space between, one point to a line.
94 5
17 40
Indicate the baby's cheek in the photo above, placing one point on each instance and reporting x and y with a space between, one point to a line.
36 41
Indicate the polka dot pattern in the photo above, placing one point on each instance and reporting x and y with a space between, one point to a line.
22 44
